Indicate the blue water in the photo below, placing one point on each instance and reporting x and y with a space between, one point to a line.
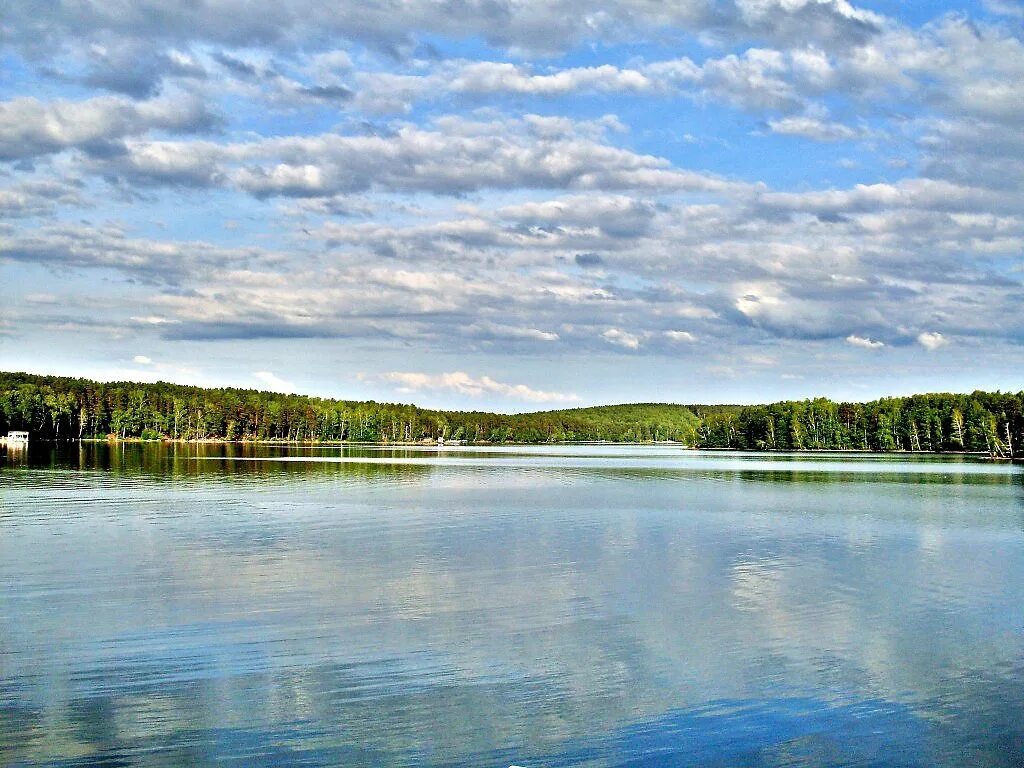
556 606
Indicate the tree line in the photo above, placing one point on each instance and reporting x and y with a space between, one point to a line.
58 408
979 422
55 407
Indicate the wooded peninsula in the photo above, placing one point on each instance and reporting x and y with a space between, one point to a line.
62 408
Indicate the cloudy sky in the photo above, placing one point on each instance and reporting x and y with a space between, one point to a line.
516 204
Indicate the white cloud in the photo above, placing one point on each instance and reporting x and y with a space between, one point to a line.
510 332
931 340
472 225
40 197
621 338
451 156
30 127
808 127
152 320
864 342
274 383
755 80
40 298
532 26
142 360
69 245
492 77
1005 8
464 384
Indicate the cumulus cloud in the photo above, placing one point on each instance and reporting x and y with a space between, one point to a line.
453 156
909 194
813 128
487 77
431 308
40 197
534 25
931 340
474 224
757 79
966 151
864 342
621 338
30 127
142 360
151 320
1005 8
499 332
70 246
464 384
511 279
954 64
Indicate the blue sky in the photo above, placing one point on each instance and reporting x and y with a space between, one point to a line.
516 206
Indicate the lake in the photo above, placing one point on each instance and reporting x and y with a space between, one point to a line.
533 606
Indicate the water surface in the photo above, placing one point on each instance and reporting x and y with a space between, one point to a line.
555 606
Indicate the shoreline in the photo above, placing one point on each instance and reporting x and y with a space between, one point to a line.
434 445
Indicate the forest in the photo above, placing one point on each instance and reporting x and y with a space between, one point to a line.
62 408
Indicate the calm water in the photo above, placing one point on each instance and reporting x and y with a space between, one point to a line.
567 606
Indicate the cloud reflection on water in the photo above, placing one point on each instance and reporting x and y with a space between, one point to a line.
168 611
